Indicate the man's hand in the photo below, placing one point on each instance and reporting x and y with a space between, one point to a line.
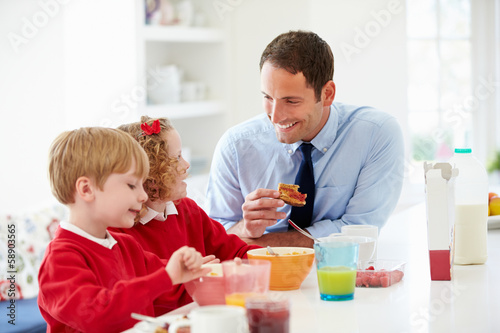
290 238
185 265
259 212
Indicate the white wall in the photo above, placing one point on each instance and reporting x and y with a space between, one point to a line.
100 53
72 64
31 100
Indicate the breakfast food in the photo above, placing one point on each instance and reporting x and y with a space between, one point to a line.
289 269
371 278
294 253
164 328
290 195
208 289
493 204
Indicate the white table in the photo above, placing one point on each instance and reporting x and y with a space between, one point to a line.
468 303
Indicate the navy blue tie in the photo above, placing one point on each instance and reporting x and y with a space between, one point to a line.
302 216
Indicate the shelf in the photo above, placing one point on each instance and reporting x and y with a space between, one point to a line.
182 34
185 110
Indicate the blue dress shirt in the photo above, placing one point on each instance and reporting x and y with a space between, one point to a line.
357 157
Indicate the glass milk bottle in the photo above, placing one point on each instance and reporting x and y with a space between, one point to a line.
471 209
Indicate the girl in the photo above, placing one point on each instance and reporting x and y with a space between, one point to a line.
172 220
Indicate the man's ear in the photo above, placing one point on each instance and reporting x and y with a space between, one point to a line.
85 189
328 93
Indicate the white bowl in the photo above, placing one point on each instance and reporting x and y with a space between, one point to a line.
366 244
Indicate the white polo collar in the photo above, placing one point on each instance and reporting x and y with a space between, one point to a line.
152 214
107 242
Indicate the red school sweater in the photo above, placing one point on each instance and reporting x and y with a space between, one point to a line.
86 287
191 227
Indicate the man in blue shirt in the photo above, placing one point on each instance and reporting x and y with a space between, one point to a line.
357 153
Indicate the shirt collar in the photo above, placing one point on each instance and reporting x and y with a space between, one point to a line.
152 214
326 137
107 242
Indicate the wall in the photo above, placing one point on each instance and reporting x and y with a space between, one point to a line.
100 72
31 99
72 64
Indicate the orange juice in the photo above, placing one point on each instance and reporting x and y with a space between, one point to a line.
337 281
237 298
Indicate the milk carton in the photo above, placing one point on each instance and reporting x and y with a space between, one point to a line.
439 190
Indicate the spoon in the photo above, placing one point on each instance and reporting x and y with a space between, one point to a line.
149 319
303 232
271 252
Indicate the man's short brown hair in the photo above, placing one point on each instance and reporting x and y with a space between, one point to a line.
302 52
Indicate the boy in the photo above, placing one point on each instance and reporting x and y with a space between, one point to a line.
91 279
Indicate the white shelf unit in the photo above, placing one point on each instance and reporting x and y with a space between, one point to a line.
186 110
183 34
202 54
199 52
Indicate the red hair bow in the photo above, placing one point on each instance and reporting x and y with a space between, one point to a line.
148 130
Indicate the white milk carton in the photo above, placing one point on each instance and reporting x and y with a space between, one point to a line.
439 190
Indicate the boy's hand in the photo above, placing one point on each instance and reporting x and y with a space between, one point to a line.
185 265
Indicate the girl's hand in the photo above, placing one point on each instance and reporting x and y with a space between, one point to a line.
185 265
211 259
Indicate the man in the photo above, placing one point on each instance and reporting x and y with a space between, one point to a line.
356 153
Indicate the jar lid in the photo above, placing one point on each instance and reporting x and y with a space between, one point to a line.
463 150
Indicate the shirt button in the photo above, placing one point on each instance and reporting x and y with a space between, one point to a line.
290 151
324 150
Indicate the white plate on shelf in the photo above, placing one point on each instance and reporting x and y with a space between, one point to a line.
494 222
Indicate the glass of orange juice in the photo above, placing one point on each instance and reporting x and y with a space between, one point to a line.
336 265
244 278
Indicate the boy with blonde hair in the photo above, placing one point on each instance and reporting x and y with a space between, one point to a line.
91 279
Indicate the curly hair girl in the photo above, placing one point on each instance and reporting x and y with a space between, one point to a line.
171 219
164 170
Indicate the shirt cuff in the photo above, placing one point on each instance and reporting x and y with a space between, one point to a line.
227 224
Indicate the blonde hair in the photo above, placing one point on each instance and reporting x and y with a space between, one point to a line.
93 152
163 170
